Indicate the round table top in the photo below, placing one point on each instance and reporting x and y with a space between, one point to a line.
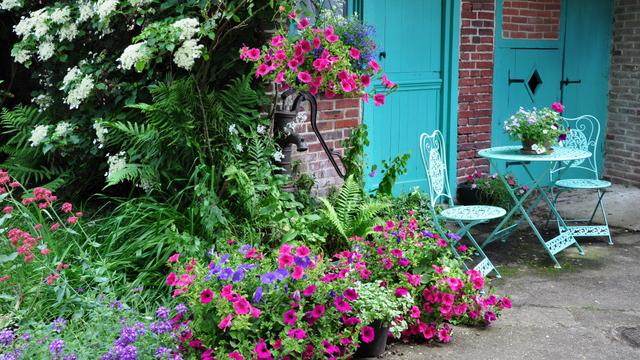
512 153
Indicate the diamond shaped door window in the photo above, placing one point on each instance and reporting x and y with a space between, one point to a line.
534 82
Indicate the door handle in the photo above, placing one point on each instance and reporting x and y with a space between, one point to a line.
566 82
512 81
382 55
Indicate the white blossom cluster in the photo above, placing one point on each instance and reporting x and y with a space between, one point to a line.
188 28
116 163
10 4
187 54
101 133
39 135
78 87
104 8
132 54
63 128
43 101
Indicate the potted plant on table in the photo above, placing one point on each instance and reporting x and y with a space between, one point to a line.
380 308
538 129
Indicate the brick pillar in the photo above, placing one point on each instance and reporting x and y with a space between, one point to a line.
475 84
623 130
336 119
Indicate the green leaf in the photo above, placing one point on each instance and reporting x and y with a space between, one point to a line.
140 65
7 258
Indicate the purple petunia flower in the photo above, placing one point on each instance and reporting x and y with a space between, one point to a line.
223 259
428 234
257 295
244 249
454 236
238 275
225 274
282 274
268 278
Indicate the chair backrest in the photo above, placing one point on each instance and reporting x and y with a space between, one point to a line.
435 165
583 134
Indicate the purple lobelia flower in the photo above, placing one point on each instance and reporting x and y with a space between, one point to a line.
6 337
56 346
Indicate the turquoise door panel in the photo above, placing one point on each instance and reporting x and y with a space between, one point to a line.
527 77
409 34
586 64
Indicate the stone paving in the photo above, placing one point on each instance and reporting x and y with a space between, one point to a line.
589 309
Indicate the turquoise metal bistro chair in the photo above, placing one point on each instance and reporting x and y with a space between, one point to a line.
584 133
434 159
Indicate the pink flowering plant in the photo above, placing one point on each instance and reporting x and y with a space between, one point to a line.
247 305
418 263
320 59
541 127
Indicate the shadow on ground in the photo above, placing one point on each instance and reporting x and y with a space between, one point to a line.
589 309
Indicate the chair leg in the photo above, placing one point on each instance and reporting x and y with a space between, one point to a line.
604 214
485 266
555 202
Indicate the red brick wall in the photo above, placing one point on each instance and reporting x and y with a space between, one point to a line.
475 84
622 146
532 19
336 118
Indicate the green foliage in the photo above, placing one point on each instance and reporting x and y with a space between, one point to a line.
351 213
377 302
391 171
354 159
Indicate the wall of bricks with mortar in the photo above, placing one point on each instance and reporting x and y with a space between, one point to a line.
475 84
622 146
535 20
336 118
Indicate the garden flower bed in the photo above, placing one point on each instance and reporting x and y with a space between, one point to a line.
144 214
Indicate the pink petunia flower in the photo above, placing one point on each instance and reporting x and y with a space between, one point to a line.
310 290
302 251
304 77
374 65
235 356
242 306
350 294
341 305
557 107
388 83
262 351
174 258
366 80
298 273
297 334
253 54
397 252
277 41
455 284
304 22
290 317
225 322
171 279
285 260
367 334
415 312
354 53
401 292
378 99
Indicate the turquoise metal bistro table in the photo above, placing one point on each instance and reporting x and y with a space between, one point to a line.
513 157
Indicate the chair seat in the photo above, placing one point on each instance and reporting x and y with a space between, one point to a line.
473 213
583 183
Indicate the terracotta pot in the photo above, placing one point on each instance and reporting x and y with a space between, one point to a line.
527 148
377 346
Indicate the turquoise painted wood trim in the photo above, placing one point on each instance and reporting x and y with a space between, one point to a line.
355 7
450 105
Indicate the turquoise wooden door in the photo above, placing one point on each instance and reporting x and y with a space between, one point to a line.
413 48
572 69
587 55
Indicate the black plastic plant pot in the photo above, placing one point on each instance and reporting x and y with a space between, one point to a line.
466 195
377 346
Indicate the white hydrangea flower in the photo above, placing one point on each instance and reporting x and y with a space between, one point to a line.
21 56
43 101
63 128
139 2
80 92
239 147
85 10
261 129
40 27
104 8
188 27
60 15
72 76
233 130
278 155
116 163
187 54
101 133
68 32
132 54
45 51
10 4
38 135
